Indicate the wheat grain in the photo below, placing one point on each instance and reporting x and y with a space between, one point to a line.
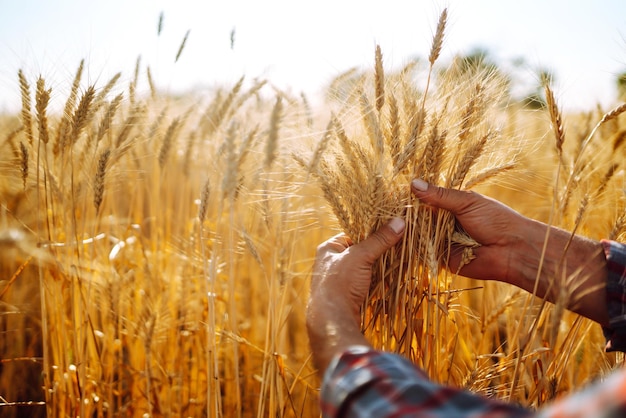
394 137
160 24
471 112
352 152
229 181
82 115
613 114
307 110
132 86
619 227
153 92
340 211
10 139
129 124
252 248
41 104
379 76
182 46
168 140
437 43
619 139
272 138
469 159
204 200
104 92
555 118
253 91
98 188
487 174
606 178
188 152
24 163
416 124
322 145
432 157
107 118
372 127
64 127
26 107
217 112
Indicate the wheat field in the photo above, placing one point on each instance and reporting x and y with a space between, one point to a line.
157 250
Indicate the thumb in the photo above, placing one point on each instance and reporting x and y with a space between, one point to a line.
383 239
452 200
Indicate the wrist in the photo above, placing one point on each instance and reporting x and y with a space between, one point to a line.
332 327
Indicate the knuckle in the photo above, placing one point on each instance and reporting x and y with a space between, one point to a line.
442 193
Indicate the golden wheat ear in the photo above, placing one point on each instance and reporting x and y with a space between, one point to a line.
41 105
379 76
27 119
437 42
98 188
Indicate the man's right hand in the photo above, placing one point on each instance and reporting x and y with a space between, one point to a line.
513 249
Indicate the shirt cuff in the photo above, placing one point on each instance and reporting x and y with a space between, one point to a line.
615 332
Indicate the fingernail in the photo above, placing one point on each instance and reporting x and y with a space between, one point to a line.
420 185
397 225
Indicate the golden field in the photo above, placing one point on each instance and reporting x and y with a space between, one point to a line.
157 250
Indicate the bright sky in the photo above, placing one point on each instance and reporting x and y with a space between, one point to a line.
301 45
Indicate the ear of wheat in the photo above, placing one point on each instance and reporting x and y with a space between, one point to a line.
442 134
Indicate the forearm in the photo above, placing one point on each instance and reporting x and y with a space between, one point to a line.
572 269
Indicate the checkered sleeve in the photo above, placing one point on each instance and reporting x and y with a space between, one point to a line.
615 332
363 382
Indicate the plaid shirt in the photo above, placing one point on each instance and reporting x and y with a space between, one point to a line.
363 382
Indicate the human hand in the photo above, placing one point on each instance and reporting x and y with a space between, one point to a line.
498 229
514 248
342 273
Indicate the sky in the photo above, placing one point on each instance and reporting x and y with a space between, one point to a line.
302 45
